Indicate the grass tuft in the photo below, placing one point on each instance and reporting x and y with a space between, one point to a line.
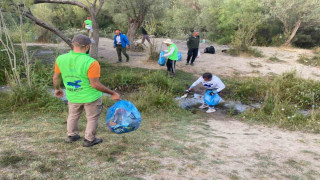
309 61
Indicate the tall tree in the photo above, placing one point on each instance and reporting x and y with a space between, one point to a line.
136 12
293 14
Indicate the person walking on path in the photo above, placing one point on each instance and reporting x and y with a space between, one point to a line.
172 54
80 75
88 25
211 83
145 36
120 43
193 47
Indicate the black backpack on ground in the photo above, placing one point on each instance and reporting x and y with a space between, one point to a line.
210 50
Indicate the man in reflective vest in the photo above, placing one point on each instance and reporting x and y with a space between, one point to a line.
80 74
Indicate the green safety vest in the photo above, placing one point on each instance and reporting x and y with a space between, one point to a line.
88 22
173 56
74 71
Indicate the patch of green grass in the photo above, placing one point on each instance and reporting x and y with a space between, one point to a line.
249 52
274 59
254 52
282 98
125 156
309 61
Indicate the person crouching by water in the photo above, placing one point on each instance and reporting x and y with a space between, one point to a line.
172 54
211 83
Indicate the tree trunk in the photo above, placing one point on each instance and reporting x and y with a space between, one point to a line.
95 26
294 31
93 11
49 27
133 26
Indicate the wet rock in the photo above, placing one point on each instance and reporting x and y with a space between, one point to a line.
190 102
236 105
304 112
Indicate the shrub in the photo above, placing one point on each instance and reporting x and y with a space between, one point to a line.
316 50
154 53
151 98
309 61
254 52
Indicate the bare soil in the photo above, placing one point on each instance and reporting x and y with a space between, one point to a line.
222 64
231 149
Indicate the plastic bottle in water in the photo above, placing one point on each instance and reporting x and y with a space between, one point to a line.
203 41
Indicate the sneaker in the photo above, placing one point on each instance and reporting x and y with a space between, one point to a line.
187 63
211 110
127 60
91 143
71 139
192 64
172 75
119 61
203 106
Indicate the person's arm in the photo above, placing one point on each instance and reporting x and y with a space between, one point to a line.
170 53
189 42
94 75
84 25
115 41
198 81
57 80
127 41
56 84
220 85
96 84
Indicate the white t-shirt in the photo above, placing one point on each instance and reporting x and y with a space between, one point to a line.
215 83
118 40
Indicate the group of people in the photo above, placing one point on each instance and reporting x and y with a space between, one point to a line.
80 74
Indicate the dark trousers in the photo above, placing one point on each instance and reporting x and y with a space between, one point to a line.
124 52
171 66
192 52
145 37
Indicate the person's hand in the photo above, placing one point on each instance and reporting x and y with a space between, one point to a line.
114 46
58 93
162 56
213 92
187 91
115 96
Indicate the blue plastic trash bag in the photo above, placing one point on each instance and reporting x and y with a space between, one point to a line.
123 117
211 100
162 60
179 56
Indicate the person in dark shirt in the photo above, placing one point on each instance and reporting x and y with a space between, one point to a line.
145 36
193 47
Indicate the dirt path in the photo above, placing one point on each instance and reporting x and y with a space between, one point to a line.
231 149
222 63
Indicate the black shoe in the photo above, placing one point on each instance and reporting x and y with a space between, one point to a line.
91 143
119 61
127 60
72 138
187 63
192 64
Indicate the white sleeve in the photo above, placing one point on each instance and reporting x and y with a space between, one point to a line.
170 53
220 85
196 82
